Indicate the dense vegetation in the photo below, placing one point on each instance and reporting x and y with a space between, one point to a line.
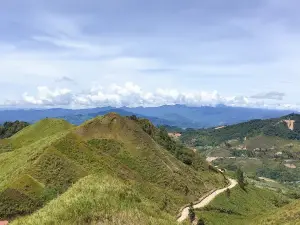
8 129
108 171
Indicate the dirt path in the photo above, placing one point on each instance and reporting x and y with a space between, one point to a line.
205 201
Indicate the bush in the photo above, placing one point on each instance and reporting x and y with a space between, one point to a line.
200 222
240 178
192 214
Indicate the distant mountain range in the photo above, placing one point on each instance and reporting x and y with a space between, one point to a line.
171 115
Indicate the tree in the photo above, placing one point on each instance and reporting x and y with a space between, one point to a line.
228 192
192 214
133 117
200 222
10 128
240 178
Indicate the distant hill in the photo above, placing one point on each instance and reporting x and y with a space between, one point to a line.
207 116
171 115
110 170
263 148
277 127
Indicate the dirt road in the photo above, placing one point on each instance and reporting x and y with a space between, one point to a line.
206 201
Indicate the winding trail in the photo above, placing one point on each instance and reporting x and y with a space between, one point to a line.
206 200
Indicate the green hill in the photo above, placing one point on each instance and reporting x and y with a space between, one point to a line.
110 170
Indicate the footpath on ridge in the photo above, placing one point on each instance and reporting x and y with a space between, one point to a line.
206 200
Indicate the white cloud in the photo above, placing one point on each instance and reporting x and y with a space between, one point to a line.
47 97
132 95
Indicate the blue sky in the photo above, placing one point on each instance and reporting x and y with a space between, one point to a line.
129 52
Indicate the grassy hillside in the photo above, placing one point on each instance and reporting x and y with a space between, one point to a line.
107 170
19 168
287 215
241 207
140 152
100 199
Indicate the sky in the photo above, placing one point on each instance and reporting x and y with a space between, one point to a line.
88 53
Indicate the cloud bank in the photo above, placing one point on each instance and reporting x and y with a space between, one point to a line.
132 95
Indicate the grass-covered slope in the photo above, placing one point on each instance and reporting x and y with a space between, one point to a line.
107 170
141 153
240 206
21 168
287 215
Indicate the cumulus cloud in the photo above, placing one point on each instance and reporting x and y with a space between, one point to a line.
47 97
273 95
131 95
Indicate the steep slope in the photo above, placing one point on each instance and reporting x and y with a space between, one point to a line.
109 160
142 153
